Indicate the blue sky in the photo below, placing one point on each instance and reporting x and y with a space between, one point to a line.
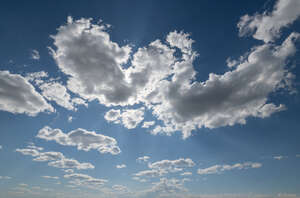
149 99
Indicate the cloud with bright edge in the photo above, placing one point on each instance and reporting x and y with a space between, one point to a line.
130 118
82 139
267 26
163 167
19 96
165 83
55 159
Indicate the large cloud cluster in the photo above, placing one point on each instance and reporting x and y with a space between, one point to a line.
161 75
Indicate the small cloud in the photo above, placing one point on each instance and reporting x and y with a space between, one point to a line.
298 155
50 177
148 124
70 118
279 157
121 166
186 174
142 159
1 147
35 55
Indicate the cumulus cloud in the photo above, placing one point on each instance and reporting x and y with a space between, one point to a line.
172 165
163 167
93 62
35 55
130 118
19 96
82 139
55 159
267 26
121 166
54 91
161 76
85 180
142 159
217 169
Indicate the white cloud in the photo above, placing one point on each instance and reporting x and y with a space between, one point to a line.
19 96
130 118
267 26
93 62
121 166
83 139
85 180
186 174
70 118
163 167
298 155
35 55
142 159
165 82
172 165
37 77
1 147
216 169
50 177
55 159
148 124
54 91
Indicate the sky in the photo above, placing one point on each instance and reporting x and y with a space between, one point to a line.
149 99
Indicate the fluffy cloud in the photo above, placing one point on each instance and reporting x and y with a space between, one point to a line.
267 26
55 159
19 96
121 166
142 159
172 165
163 167
216 169
130 118
93 62
83 139
57 92
161 76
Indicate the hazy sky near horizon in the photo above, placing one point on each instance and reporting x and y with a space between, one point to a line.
149 99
